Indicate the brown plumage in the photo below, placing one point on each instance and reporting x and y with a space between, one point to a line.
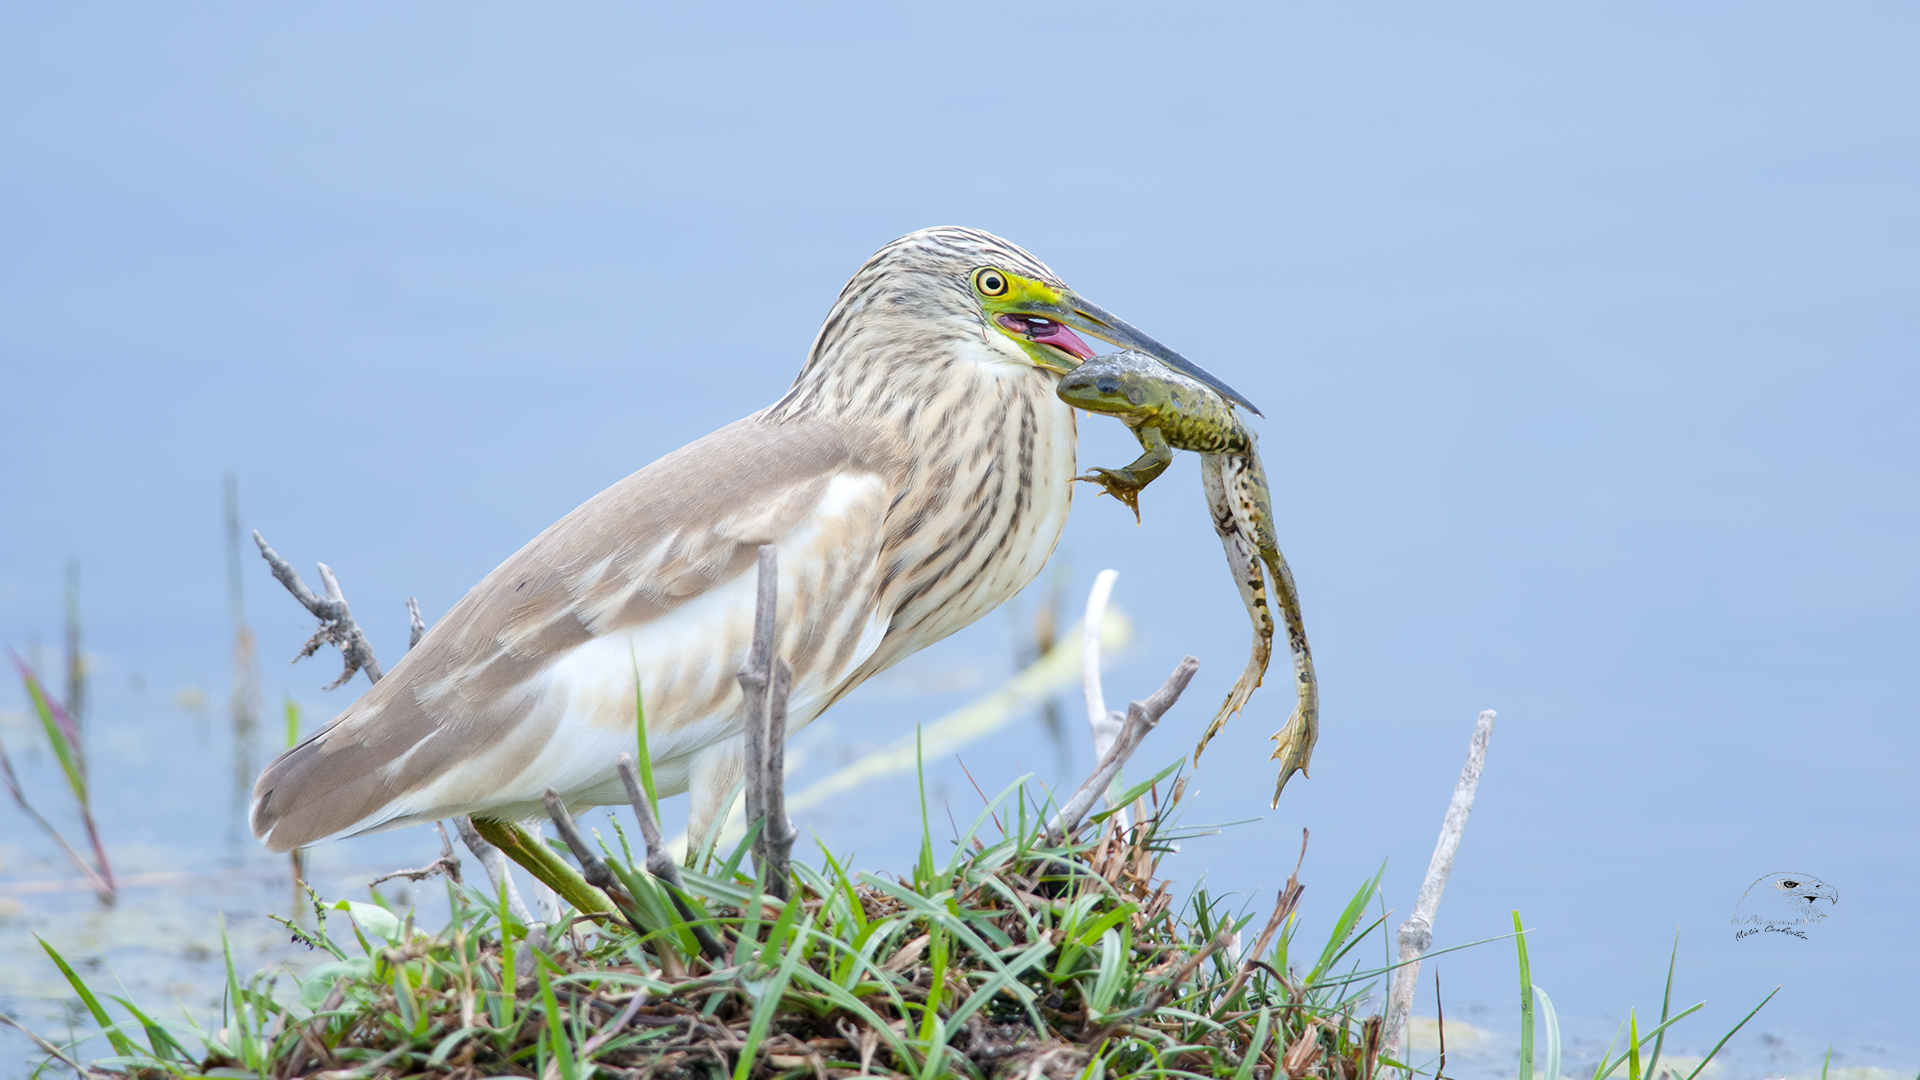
914 476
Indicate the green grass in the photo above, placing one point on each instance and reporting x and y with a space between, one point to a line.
993 955
997 955
1609 1064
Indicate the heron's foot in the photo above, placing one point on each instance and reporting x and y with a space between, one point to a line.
1122 484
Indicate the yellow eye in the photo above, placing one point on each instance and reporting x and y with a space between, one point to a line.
990 281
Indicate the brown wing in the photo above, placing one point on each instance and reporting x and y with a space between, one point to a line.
630 555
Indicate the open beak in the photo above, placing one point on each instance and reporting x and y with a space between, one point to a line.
1078 314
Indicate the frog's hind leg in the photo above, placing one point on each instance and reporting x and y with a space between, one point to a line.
1241 542
1293 743
1257 660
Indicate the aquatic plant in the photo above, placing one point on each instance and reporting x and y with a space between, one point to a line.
63 734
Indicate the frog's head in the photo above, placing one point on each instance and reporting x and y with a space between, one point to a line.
1119 384
1041 317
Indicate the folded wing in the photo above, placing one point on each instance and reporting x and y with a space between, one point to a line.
529 681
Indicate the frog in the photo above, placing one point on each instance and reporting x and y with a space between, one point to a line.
1167 411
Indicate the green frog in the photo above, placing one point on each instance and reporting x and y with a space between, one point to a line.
1168 411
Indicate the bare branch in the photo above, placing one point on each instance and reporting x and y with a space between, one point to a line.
1141 718
448 863
764 689
416 626
1416 934
337 627
660 864
495 864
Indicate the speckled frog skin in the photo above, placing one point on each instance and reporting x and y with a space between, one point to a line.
1168 411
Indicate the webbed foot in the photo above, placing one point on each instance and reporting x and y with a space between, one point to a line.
1119 483
1294 747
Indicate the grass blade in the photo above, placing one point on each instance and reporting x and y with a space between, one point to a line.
121 1044
767 1005
1252 1055
20 797
1550 1027
923 869
1526 1003
1666 1004
1736 1030
562 1046
64 734
61 732
1343 928
643 759
1633 1046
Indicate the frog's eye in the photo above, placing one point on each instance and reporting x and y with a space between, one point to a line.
1108 386
990 281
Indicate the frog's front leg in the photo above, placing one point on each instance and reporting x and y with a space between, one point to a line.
1126 484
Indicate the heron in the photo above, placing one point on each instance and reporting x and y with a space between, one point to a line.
916 474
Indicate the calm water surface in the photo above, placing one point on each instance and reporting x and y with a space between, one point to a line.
1584 339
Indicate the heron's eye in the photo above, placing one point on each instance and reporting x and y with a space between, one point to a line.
990 282
1789 884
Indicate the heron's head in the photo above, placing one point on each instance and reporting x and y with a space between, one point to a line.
959 278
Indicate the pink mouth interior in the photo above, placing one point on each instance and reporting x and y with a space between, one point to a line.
1047 332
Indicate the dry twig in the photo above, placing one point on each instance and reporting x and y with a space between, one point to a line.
1283 906
1141 718
1416 934
448 863
336 618
47 1047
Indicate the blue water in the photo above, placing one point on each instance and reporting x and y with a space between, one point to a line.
1584 339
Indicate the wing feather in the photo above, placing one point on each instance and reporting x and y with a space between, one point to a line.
473 704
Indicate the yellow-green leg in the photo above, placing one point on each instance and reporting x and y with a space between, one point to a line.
536 858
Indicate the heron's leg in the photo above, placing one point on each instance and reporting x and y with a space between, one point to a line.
533 854
713 783
1126 484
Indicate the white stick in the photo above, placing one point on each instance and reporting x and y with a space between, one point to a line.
1416 934
1106 727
